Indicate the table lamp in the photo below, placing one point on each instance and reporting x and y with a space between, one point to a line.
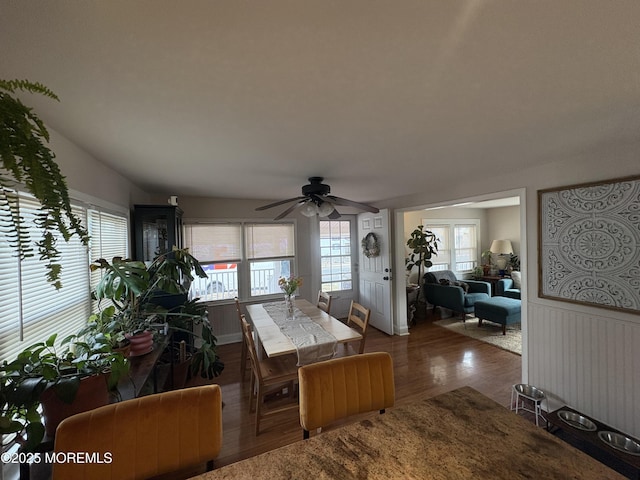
501 248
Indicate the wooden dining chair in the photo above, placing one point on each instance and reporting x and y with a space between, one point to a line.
359 318
244 354
270 376
150 436
345 386
324 301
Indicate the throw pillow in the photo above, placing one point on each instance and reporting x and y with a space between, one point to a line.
464 285
445 282
516 277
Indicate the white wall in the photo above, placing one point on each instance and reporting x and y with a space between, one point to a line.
583 356
87 175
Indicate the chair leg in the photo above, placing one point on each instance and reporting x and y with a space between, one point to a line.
243 361
260 401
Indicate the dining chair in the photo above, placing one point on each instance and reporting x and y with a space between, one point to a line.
159 434
339 388
359 317
270 376
244 354
324 301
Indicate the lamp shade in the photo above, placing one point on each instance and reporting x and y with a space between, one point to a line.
501 247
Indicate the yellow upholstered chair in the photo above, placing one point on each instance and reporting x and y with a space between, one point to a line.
269 376
144 437
359 318
324 301
244 355
341 387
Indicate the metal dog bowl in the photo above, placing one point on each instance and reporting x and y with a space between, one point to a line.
620 442
577 421
529 391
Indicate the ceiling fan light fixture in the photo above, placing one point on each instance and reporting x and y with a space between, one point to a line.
325 209
309 209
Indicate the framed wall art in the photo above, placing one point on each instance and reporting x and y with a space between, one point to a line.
589 244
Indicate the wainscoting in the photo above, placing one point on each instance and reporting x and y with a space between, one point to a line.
590 362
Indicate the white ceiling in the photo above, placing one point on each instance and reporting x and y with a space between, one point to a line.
249 98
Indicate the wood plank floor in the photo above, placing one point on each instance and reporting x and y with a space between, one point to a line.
430 361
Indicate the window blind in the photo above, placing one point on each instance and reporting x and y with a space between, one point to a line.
270 240
211 243
31 309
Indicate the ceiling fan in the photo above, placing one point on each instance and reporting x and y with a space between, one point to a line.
315 200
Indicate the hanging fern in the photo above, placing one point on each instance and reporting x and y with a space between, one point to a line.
26 160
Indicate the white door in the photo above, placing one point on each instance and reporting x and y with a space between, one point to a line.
375 268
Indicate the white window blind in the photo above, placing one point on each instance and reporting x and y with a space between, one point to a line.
270 240
211 243
442 261
31 309
109 238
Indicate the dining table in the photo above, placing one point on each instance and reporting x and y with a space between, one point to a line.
272 332
461 434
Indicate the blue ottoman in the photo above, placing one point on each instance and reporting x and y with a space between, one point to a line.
502 310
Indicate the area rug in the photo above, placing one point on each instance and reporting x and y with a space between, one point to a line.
488 332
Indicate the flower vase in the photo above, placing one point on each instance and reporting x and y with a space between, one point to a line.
288 302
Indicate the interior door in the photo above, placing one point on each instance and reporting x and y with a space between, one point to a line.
375 268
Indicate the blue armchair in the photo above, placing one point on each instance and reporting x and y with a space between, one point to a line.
506 287
453 296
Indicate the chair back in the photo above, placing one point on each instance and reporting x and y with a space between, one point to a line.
345 386
324 301
359 317
144 437
251 350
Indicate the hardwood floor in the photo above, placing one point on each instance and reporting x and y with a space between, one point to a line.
430 361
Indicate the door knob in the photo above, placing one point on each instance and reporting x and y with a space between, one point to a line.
385 278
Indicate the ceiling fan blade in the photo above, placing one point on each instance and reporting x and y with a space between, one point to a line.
289 210
334 215
281 202
350 203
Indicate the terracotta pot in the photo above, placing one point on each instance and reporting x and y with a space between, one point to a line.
141 343
92 393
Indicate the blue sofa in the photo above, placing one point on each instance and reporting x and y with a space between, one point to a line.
451 296
506 288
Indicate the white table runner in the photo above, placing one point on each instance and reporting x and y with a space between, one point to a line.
313 343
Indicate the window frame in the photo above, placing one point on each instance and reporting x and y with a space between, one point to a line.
243 264
451 225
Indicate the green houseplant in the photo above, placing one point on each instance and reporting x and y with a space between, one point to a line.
28 162
42 373
143 295
423 245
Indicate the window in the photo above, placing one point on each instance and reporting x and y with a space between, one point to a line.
335 255
457 244
30 308
241 259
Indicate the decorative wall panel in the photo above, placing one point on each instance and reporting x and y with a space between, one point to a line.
589 244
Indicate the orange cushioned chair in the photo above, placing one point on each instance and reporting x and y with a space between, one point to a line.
341 387
145 437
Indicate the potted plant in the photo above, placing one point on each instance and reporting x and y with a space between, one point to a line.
477 273
143 295
77 378
423 245
26 160
487 256
103 323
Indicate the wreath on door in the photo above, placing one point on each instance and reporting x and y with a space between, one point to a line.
370 245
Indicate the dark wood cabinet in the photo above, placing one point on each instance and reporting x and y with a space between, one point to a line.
157 229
